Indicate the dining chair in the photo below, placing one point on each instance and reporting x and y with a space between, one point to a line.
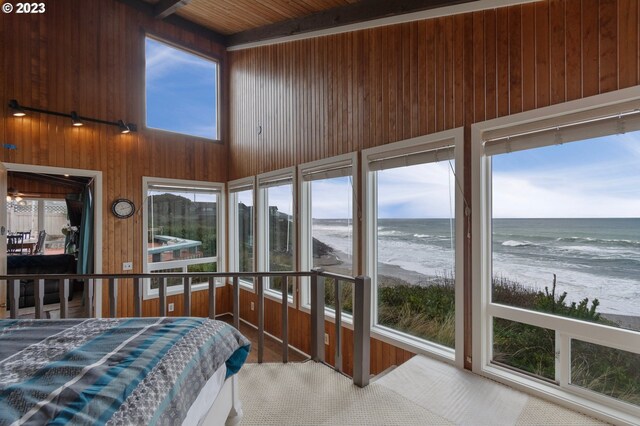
14 244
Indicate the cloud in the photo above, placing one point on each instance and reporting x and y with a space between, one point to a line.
567 181
163 60
421 191
332 198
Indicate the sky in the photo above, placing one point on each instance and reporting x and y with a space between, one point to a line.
180 91
596 178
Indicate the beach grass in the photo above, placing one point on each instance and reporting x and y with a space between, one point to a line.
428 311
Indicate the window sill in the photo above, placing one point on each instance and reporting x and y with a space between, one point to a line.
563 397
413 344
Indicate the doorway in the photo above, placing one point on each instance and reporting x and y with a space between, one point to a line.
48 203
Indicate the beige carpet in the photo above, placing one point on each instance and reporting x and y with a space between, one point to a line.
312 394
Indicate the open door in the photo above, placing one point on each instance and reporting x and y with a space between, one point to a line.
3 240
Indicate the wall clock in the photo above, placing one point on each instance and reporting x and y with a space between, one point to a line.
123 208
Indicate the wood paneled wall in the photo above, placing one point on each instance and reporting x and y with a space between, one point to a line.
88 56
331 95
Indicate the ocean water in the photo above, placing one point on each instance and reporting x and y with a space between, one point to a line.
594 258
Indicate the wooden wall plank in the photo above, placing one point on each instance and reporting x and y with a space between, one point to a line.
628 42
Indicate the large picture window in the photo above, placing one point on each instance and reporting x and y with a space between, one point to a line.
277 227
559 237
241 227
182 229
328 229
182 91
412 191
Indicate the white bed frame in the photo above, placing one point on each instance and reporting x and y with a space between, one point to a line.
227 408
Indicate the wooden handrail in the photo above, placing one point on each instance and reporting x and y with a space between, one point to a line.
361 304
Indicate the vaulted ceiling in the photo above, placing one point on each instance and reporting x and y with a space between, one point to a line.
235 22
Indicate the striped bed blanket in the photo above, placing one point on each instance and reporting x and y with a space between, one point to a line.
110 371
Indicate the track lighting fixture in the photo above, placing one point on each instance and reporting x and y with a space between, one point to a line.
77 120
123 127
17 109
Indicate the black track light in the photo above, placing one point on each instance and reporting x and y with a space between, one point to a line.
17 109
124 129
75 120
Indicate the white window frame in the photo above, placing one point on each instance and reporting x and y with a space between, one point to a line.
149 293
306 249
246 184
454 137
262 230
583 111
204 57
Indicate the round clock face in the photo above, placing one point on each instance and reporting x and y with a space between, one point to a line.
123 208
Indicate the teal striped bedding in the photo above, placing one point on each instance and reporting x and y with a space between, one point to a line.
110 371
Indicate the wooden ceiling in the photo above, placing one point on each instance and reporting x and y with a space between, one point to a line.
233 16
236 22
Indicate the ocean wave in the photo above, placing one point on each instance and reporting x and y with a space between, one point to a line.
600 241
421 236
513 243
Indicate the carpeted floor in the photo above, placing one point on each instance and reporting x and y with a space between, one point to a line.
420 392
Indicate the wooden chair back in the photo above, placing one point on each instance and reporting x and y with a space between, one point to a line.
14 244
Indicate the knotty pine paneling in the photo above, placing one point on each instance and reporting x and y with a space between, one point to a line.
88 56
331 95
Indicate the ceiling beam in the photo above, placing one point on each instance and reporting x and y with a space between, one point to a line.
165 8
179 22
365 10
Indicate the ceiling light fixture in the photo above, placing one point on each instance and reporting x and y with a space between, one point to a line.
76 120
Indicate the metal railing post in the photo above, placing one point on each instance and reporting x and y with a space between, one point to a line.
186 296
88 297
212 298
162 293
285 319
361 330
236 302
137 297
39 296
317 316
113 297
63 285
338 325
14 297
260 319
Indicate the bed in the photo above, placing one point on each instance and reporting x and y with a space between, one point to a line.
165 371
